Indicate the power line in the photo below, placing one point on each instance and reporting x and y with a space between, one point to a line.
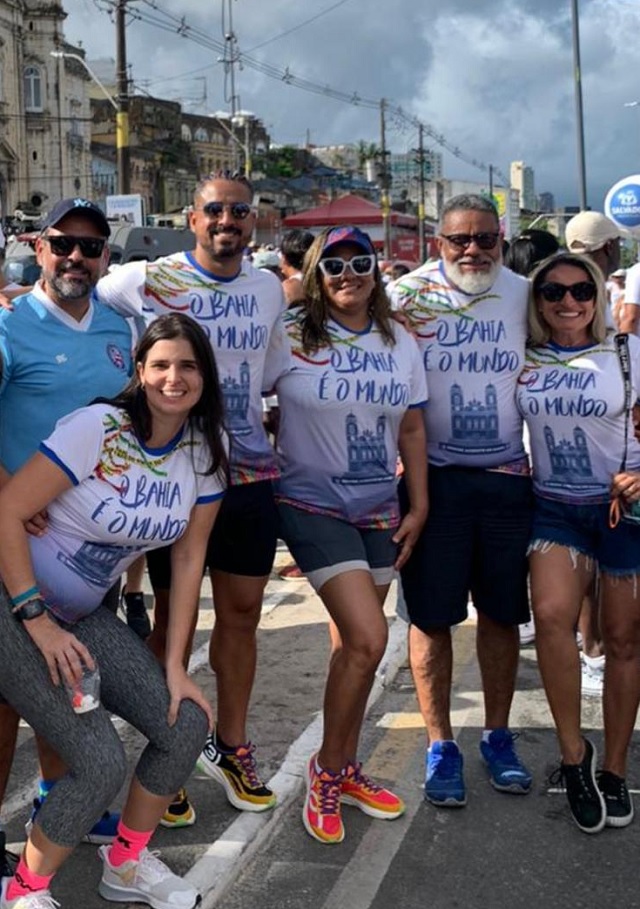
296 28
178 25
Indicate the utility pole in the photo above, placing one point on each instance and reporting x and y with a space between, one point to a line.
582 177
123 152
229 61
384 184
420 161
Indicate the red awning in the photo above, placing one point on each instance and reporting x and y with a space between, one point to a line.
348 209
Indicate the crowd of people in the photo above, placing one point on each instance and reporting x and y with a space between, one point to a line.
394 444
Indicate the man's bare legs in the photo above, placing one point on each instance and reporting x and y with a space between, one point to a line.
237 601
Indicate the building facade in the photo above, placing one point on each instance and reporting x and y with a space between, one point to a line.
405 174
45 126
523 181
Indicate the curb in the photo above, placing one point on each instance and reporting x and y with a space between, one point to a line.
218 868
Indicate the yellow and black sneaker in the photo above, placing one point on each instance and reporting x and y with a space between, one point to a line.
236 771
180 812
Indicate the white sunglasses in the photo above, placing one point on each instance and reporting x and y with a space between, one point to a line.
359 265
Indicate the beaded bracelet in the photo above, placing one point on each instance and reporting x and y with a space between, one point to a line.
25 596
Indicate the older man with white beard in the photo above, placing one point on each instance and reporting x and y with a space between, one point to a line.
469 315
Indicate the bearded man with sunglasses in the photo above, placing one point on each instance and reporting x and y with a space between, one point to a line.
240 309
469 316
59 349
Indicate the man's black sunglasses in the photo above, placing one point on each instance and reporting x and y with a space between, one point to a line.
482 240
64 244
239 210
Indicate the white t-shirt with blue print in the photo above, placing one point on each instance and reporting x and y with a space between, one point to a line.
340 414
242 318
126 499
572 400
473 351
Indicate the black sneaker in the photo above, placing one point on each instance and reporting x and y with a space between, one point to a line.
136 613
237 772
585 799
8 860
617 800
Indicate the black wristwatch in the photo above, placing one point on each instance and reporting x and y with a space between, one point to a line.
30 610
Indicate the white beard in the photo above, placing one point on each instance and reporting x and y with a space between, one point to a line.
470 282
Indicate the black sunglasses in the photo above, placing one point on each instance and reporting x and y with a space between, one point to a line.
64 244
581 291
461 241
239 210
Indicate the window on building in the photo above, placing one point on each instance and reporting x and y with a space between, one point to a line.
201 135
32 89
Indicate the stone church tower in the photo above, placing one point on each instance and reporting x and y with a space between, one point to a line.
45 129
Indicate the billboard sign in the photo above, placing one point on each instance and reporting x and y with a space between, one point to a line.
127 208
622 204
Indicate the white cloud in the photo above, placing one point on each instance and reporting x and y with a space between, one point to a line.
494 76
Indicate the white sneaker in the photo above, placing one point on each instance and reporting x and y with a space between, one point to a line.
40 900
146 881
592 676
527 633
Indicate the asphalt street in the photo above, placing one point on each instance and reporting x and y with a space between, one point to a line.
500 851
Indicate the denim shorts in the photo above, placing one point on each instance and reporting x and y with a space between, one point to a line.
324 546
585 529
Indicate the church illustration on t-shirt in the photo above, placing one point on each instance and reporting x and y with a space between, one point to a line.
95 562
570 461
368 458
475 424
237 395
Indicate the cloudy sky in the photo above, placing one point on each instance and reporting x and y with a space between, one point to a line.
493 77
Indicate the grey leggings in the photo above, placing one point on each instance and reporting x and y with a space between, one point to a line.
132 686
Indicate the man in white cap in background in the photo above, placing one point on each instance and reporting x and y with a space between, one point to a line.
593 234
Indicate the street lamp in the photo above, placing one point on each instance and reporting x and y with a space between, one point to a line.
242 118
122 141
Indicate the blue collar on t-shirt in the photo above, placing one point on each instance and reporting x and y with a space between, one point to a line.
210 274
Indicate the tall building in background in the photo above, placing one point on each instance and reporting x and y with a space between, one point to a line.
405 173
546 202
522 180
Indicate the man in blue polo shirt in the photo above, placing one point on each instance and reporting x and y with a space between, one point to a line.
59 349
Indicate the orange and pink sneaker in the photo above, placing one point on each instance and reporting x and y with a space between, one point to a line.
321 811
360 790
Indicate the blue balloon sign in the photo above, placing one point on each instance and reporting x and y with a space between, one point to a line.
622 204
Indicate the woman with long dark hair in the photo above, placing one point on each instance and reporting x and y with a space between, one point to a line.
118 478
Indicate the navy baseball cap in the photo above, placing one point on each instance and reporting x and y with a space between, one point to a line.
78 206
348 235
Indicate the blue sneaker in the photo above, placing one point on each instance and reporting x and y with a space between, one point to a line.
102 833
506 771
444 785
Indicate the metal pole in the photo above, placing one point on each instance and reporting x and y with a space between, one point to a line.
582 175
421 233
123 151
247 149
384 195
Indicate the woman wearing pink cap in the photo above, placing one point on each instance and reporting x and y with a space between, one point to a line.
350 401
